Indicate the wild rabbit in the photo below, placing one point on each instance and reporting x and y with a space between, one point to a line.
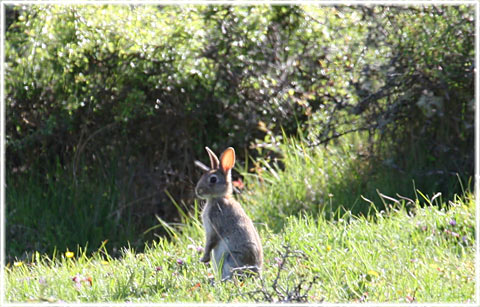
229 231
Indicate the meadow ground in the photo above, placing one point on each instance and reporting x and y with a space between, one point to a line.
328 236
409 252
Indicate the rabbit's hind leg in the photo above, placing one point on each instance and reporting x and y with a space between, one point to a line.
231 267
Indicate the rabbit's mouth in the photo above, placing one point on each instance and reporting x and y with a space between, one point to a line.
203 193
200 192
207 193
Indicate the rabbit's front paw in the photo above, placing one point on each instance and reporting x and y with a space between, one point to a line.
205 258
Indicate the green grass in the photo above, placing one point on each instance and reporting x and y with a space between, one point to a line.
348 231
403 253
59 211
332 180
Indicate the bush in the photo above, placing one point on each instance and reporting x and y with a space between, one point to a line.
139 90
417 97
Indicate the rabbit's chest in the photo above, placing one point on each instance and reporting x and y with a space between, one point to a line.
214 218
207 223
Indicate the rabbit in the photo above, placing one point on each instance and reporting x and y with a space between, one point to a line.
229 231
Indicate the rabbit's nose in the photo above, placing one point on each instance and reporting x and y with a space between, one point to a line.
198 191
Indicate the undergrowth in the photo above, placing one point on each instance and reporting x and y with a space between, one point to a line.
332 231
328 181
57 211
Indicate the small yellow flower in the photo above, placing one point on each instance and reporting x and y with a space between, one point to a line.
69 254
329 248
373 273
18 263
104 262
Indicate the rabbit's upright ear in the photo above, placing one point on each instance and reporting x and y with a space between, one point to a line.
213 158
227 159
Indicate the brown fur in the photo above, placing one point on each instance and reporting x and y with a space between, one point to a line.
230 233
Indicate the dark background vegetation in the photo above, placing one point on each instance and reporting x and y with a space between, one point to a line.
107 107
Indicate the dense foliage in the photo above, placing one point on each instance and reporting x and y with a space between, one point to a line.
118 101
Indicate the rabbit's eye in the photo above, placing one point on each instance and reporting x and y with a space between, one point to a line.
213 179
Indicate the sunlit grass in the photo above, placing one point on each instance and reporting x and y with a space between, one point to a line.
331 180
356 239
403 254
